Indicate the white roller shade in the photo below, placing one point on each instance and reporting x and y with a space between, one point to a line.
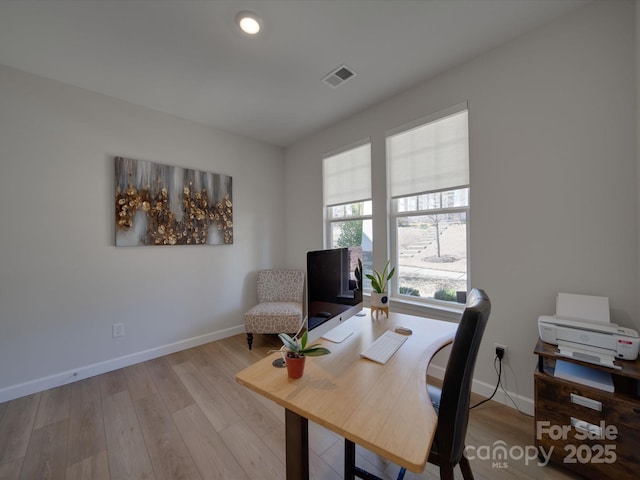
347 176
430 157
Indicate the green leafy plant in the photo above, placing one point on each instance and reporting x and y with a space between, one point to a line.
379 281
299 348
444 294
414 292
350 233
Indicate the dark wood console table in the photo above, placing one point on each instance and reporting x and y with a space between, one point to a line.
591 431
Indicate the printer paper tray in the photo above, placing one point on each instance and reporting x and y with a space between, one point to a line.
589 356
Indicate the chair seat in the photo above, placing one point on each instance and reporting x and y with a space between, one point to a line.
435 394
274 317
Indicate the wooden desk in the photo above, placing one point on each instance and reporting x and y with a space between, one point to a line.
384 408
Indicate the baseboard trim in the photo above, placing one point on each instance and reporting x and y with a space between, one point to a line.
525 404
11 392
38 385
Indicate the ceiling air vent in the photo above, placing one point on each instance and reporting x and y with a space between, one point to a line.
339 76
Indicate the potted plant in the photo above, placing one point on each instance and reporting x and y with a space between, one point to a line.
379 282
296 352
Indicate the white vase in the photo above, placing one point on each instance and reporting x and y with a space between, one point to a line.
379 300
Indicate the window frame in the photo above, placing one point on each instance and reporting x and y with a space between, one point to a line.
328 219
394 215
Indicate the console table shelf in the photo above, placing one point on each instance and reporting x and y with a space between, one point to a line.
590 431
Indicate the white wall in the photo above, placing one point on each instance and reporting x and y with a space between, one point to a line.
63 283
553 175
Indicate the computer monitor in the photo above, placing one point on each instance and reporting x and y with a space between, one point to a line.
332 296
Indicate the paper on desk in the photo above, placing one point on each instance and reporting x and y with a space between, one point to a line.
583 307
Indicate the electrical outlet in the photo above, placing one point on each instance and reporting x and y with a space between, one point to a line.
118 330
501 349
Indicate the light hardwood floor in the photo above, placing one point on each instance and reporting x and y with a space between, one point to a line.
183 416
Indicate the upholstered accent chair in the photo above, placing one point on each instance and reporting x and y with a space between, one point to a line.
279 308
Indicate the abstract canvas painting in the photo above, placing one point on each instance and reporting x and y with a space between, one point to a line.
164 205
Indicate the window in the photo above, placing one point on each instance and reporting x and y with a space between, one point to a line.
428 170
347 202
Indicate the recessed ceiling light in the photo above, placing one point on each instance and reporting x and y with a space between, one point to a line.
249 22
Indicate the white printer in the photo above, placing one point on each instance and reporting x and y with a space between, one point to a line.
582 330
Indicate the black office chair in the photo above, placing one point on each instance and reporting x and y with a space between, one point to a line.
452 401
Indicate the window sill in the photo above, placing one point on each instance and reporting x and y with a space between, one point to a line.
451 312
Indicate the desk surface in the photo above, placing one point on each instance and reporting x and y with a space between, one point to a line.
384 408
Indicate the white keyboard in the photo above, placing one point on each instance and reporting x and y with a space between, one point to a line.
384 347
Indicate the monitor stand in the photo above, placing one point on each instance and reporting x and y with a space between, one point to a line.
338 334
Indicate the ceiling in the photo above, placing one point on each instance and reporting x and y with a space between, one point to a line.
187 57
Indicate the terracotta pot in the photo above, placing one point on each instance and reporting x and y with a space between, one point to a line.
379 299
295 366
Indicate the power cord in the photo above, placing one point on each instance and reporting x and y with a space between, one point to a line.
498 358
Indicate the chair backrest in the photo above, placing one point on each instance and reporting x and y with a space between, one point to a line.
280 285
453 415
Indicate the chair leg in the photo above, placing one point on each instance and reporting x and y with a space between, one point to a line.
465 466
446 471
249 339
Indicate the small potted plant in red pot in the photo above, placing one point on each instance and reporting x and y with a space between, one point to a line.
296 351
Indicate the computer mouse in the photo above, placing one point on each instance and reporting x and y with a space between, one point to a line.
404 330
